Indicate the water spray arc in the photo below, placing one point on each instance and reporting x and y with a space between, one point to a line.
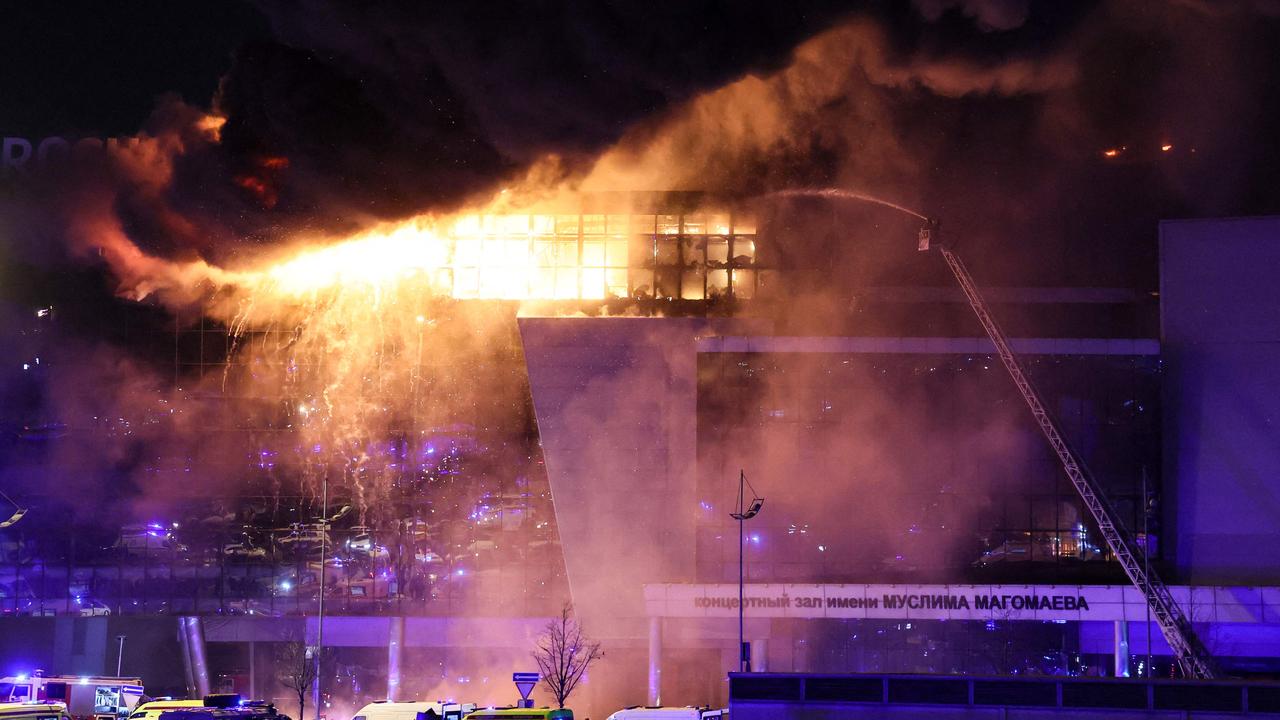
1192 656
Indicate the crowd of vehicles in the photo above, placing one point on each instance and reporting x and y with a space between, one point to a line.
383 710
66 697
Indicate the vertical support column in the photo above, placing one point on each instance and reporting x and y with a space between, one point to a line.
760 655
253 670
1122 648
395 645
186 656
195 648
655 661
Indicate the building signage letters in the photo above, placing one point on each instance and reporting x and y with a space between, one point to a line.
1034 603
912 601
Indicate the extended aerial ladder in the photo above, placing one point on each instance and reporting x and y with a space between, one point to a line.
1192 657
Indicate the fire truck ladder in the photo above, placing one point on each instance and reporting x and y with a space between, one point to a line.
1193 658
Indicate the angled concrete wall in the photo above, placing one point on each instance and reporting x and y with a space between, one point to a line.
616 404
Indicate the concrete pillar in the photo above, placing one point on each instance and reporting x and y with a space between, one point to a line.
1122 649
253 670
395 647
186 656
655 661
194 633
760 655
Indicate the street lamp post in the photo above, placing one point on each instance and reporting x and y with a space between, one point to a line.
744 513
120 654
324 535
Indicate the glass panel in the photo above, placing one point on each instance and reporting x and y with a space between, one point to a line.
592 283
718 224
616 253
642 252
643 224
616 283
543 224
691 285
567 283
544 252
641 283
592 253
617 225
744 284
695 225
544 283
518 252
592 224
513 225
668 283
566 253
668 224
493 252
566 224
744 251
717 251
744 225
717 283
668 251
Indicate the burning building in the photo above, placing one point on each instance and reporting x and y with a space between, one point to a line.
431 356
596 459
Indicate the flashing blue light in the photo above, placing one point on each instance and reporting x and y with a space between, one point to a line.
755 538
84 680
461 571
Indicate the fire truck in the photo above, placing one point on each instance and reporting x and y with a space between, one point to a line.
86 697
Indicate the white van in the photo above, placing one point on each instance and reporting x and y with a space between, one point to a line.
670 713
384 710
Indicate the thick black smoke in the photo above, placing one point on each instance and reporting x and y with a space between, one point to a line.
393 109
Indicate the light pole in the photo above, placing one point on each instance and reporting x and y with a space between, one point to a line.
120 655
324 535
745 512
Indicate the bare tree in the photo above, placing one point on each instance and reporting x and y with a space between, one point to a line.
297 668
563 655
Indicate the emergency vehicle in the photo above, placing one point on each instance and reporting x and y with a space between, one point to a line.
85 696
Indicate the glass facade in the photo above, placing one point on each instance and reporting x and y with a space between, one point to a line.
197 485
882 467
596 256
